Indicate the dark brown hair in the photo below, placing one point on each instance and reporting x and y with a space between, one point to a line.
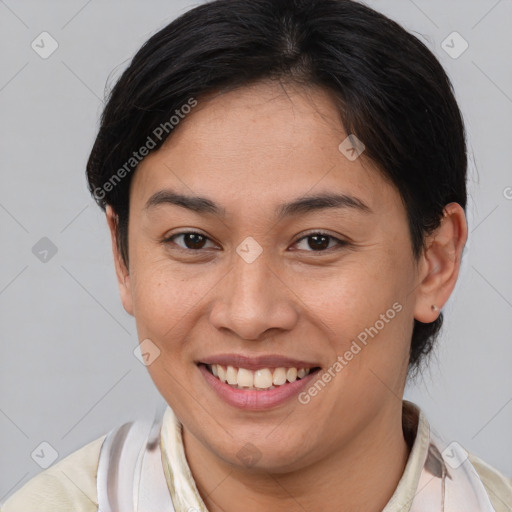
394 96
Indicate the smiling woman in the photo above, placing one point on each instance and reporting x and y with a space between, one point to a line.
286 250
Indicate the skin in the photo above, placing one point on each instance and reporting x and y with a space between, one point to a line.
248 151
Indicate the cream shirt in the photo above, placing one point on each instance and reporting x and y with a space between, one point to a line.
70 484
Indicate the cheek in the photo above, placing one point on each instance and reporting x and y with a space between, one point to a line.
365 310
160 295
357 292
168 297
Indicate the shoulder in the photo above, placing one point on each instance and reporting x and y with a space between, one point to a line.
497 485
70 484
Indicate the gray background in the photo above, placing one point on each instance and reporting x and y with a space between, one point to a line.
68 373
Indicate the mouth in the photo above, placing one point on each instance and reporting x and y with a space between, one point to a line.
257 384
258 380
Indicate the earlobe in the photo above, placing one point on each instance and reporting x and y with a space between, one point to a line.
440 264
122 272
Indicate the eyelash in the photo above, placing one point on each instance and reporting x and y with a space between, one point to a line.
340 243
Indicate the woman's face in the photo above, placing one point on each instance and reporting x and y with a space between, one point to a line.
255 286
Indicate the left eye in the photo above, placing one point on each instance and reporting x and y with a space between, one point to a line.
320 241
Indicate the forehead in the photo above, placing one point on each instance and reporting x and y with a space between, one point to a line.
260 144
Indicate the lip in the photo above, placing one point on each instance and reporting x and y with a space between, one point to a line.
255 400
258 362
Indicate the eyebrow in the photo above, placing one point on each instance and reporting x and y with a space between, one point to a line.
299 206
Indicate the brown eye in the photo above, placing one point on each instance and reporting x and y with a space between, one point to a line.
194 240
319 242
190 240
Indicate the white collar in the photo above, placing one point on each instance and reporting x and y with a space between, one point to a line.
185 495
430 481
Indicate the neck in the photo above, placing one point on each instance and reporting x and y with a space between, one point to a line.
360 476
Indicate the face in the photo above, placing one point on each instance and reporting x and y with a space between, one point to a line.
267 274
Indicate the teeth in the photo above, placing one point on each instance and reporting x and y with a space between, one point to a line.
264 378
245 378
291 374
231 375
220 371
279 377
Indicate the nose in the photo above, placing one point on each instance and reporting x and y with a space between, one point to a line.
252 299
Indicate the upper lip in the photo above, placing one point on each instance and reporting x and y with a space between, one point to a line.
257 362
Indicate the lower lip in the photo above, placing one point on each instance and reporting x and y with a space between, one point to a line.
255 400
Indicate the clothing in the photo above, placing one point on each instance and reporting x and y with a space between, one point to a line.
71 484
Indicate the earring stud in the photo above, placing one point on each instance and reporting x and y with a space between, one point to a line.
434 307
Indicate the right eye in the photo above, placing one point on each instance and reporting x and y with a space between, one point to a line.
192 240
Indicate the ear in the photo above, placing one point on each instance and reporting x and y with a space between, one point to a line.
122 272
440 263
